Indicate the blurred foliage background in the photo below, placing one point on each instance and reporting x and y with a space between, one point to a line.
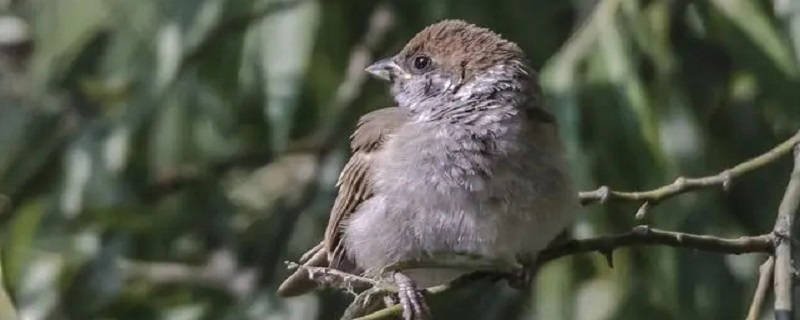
161 159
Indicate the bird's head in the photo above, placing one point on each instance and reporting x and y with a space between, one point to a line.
452 66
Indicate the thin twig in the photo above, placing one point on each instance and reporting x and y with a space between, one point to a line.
783 251
638 236
340 279
383 313
643 235
764 280
681 185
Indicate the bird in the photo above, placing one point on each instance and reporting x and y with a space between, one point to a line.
467 161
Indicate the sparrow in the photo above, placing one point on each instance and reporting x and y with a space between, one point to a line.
467 162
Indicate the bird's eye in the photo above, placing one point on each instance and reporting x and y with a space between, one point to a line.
421 62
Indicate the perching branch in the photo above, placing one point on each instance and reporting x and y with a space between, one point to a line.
682 185
638 236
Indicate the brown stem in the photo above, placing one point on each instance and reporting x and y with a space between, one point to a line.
340 279
643 235
783 251
764 279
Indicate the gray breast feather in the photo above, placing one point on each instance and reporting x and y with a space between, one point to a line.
442 189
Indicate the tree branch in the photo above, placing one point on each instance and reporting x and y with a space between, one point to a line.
643 235
682 185
638 236
764 279
784 269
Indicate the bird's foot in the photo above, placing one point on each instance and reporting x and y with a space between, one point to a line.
411 299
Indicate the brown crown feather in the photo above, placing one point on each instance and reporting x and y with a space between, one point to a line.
454 44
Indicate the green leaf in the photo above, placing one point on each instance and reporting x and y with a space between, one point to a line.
286 43
20 239
618 59
7 309
789 12
62 28
754 22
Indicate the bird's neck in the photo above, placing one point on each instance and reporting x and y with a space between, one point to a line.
476 110
495 95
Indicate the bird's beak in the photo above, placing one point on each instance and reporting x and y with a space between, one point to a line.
386 69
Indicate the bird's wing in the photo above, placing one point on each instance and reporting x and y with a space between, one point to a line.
354 184
372 131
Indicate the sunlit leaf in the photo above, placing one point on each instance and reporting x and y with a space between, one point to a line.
20 239
286 43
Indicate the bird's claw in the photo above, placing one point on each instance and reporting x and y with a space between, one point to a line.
411 299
